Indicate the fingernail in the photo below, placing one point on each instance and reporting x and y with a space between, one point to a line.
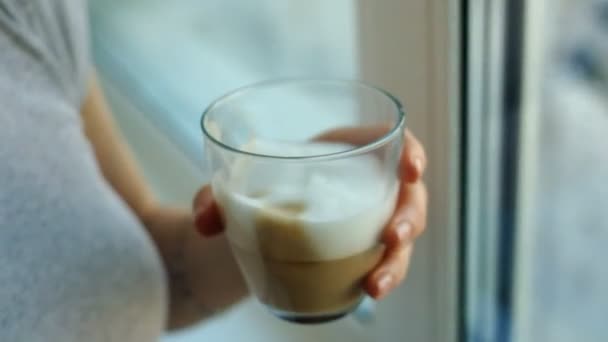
418 165
202 207
403 231
384 283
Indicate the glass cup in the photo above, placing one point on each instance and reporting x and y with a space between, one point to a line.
305 173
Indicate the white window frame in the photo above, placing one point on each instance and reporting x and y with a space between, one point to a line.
534 56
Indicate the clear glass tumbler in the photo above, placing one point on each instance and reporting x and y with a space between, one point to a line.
305 173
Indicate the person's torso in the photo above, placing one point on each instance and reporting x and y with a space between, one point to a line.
75 264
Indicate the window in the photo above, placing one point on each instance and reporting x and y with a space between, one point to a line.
564 280
536 199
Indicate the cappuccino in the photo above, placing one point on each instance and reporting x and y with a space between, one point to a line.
305 234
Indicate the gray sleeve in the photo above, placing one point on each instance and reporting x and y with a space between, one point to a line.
55 34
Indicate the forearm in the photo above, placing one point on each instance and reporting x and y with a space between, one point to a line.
113 155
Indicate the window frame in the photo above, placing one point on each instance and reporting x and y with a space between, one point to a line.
504 63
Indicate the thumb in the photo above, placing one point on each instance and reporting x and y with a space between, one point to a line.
207 215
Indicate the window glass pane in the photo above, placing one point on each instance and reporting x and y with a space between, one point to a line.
567 276
536 198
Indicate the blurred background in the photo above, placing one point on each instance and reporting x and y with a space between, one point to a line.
509 97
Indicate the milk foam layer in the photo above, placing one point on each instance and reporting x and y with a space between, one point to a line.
341 206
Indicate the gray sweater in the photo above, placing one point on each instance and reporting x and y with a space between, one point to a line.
75 264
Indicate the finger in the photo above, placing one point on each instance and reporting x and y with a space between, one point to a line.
207 216
390 273
413 159
410 217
